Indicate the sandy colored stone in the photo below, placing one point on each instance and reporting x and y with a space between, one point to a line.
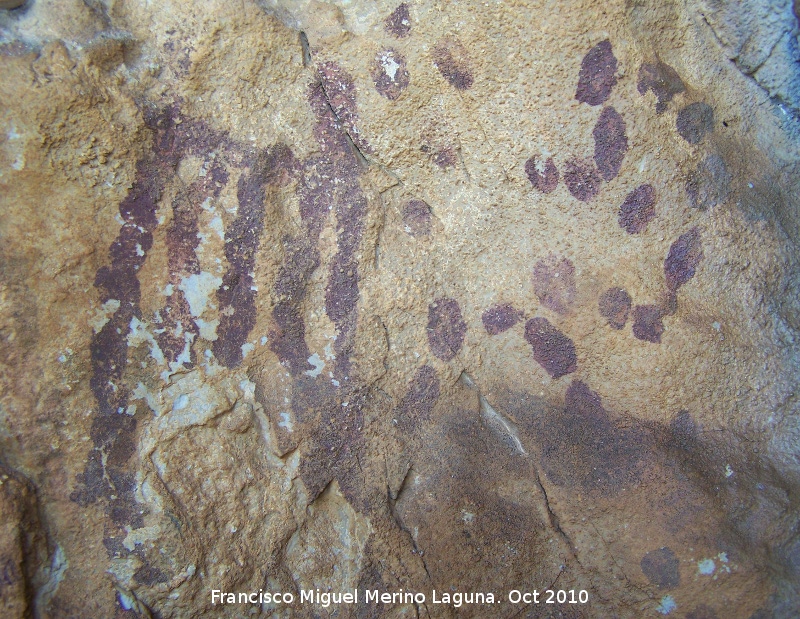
345 295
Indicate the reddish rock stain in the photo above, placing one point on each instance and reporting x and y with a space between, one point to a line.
668 302
328 182
638 209
451 58
663 80
610 143
597 76
695 121
647 325
683 431
440 143
554 283
342 292
288 337
709 184
500 318
583 447
389 73
682 260
546 180
553 350
417 405
149 576
398 23
301 259
615 305
702 611
582 179
661 568
333 433
417 218
445 158
446 328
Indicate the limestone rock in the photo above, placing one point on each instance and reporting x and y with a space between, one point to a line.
399 297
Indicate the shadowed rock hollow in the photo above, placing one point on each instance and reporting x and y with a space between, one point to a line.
413 296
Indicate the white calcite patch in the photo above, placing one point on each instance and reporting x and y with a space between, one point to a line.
207 328
216 225
139 334
667 605
103 314
318 364
197 288
706 567
193 403
286 422
153 399
389 65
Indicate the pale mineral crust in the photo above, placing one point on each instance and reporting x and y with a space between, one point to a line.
453 296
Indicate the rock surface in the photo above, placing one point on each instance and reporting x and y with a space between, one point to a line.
413 296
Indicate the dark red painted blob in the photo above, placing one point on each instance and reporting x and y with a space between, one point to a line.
554 283
597 75
661 568
553 350
389 73
638 209
615 305
546 180
647 325
446 328
695 121
447 157
398 23
610 143
682 260
663 80
500 318
417 218
451 58
582 179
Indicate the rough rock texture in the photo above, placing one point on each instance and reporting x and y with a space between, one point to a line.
465 297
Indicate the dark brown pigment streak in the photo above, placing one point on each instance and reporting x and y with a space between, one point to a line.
342 168
113 429
242 239
328 181
182 241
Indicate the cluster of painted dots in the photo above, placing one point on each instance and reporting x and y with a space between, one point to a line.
554 276
389 70
583 179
